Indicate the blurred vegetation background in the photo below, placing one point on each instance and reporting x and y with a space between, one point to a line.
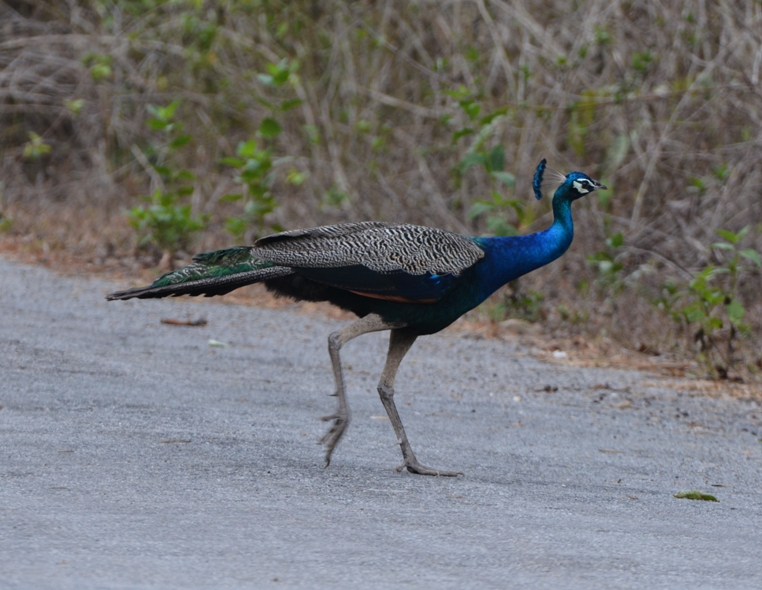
140 130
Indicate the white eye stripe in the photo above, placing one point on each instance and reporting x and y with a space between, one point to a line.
581 188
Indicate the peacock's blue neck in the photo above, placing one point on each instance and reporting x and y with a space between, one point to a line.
512 256
562 216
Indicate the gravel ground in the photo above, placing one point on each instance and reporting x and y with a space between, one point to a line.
136 455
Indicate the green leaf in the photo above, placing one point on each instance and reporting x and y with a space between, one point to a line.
598 256
496 225
479 208
735 311
237 162
266 79
75 105
496 159
731 237
180 141
487 119
472 159
462 91
264 103
164 114
516 205
35 147
752 255
269 128
506 178
100 72
157 124
247 149
461 133
295 177
279 72
334 197
722 171
290 104
696 495
616 241
186 175
231 198
236 226
169 111
497 199
723 246
471 108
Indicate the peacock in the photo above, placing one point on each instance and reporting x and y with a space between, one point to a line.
408 279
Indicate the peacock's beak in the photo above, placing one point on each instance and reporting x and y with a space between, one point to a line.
599 185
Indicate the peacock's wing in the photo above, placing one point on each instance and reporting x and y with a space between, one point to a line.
391 261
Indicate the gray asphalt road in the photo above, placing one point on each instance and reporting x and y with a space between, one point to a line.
135 455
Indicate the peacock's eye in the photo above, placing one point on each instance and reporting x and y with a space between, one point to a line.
583 186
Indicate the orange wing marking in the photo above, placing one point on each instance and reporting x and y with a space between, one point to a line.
396 298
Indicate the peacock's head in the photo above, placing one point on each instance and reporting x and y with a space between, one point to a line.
578 184
573 185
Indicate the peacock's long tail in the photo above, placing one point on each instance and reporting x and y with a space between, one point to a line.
212 273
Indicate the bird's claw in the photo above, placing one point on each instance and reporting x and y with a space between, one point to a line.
413 466
331 438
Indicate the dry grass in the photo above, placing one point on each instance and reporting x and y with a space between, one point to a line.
661 101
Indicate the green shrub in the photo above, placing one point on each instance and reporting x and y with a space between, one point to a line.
165 223
709 307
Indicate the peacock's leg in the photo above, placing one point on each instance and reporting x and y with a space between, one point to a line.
400 342
370 323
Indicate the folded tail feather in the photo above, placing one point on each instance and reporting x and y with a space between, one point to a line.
212 273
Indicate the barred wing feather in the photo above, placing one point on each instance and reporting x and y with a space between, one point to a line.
395 261
381 247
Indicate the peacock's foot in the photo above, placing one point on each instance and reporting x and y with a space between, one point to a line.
334 434
413 466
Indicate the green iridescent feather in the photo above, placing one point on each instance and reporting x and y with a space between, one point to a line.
208 265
